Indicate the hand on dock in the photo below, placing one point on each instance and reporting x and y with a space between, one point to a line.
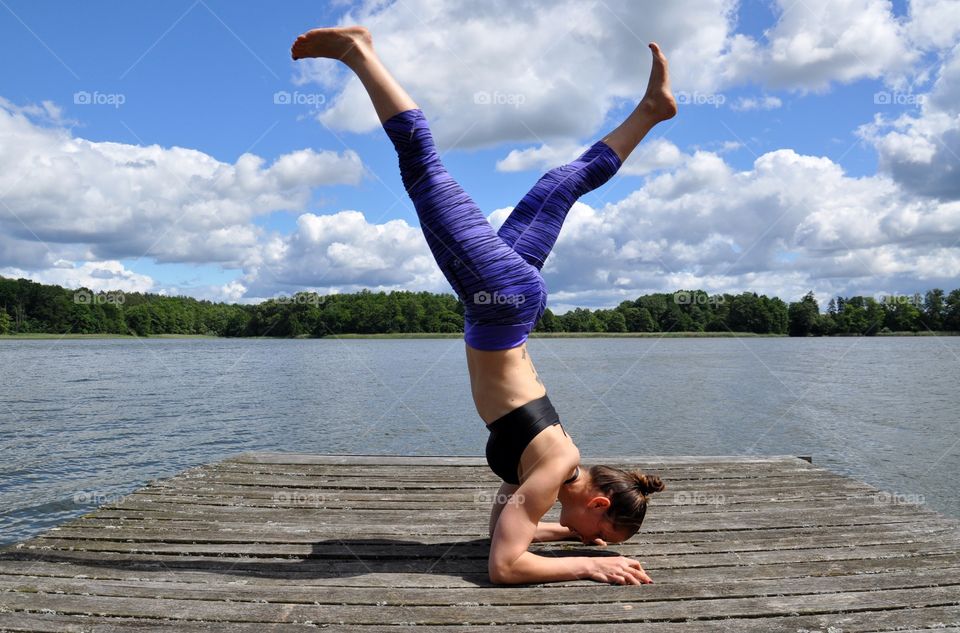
618 570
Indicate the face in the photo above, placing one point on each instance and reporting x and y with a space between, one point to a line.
588 523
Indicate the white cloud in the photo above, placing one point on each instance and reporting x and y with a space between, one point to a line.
766 102
543 72
114 200
934 23
707 225
817 42
651 155
96 275
539 158
922 152
344 252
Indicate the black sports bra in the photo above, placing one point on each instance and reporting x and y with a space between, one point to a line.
511 433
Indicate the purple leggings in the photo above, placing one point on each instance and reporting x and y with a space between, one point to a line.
495 274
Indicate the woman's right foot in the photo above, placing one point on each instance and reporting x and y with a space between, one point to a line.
658 102
342 43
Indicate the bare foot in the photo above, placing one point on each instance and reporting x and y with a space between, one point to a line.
343 43
658 102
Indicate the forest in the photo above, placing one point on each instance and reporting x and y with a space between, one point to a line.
30 307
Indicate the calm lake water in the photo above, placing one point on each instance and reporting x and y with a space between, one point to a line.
85 421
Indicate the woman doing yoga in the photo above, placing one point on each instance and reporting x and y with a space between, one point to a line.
496 274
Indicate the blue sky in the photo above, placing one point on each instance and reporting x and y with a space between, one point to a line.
203 75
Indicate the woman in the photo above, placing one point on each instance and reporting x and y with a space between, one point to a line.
497 277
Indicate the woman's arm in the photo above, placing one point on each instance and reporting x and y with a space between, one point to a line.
545 531
503 495
552 532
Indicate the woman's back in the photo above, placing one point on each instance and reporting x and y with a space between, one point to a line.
502 380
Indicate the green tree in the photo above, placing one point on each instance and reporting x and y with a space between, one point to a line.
140 319
803 315
5 321
613 321
902 315
951 316
934 309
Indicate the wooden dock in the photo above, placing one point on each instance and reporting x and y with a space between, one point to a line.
290 542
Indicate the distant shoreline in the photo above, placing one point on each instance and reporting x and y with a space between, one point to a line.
455 335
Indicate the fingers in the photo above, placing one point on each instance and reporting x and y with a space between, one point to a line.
599 542
624 571
637 571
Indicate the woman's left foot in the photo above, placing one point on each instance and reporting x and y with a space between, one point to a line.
343 43
658 102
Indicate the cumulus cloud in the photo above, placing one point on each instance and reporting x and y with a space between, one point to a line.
708 225
114 200
99 275
922 151
652 155
344 252
766 102
934 23
508 71
817 42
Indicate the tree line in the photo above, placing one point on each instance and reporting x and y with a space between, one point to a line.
30 307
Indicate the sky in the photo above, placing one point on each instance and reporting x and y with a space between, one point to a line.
175 147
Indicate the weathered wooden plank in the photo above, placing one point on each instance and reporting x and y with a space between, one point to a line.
254 497
703 489
945 619
930 618
412 478
272 457
658 519
693 471
237 523
182 504
445 560
264 572
300 541
625 610
594 593
294 507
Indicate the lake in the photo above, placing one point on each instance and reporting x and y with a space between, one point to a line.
86 421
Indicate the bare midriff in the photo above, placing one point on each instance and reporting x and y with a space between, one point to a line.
502 380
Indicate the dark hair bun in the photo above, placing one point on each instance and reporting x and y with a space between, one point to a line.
647 484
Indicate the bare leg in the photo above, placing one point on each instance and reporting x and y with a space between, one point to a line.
353 46
657 105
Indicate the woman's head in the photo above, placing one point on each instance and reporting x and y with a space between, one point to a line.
609 503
